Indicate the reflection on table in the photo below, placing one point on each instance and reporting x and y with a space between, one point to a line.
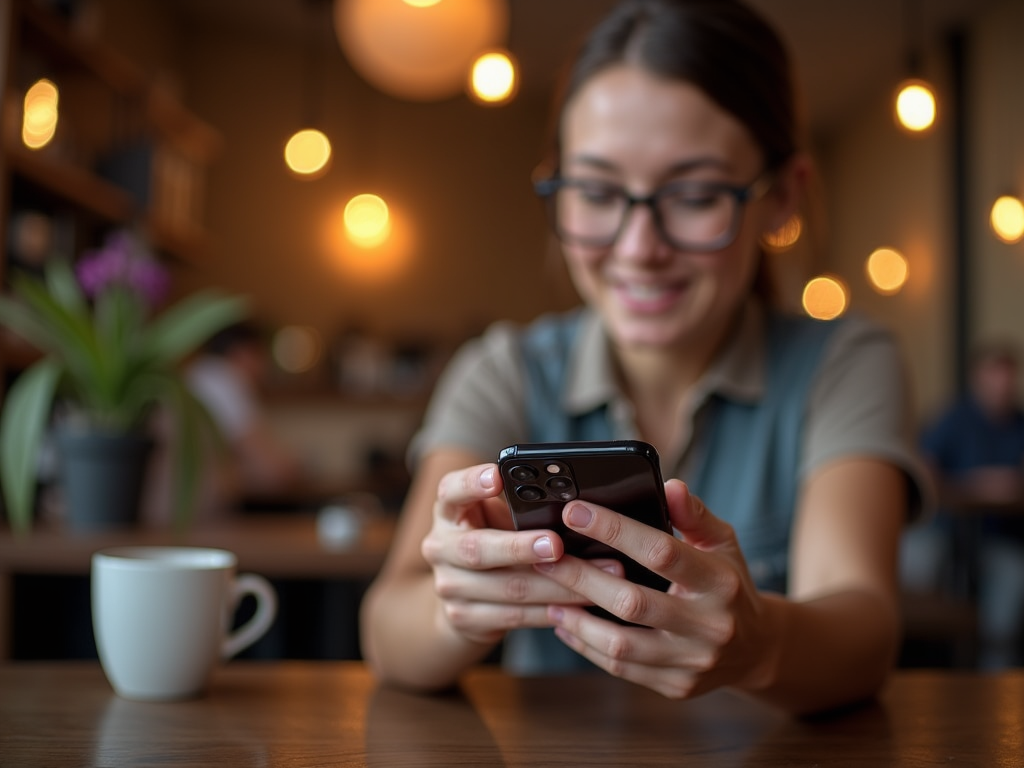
330 713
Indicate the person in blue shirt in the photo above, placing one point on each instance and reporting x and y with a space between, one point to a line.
785 441
975 451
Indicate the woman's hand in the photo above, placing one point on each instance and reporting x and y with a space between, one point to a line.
482 569
711 628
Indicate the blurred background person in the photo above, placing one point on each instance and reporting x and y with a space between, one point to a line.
975 453
227 378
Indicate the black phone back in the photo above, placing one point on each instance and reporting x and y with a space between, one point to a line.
623 475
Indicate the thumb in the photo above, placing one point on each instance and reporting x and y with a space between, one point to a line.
695 523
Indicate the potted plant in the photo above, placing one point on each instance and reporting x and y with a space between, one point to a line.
108 360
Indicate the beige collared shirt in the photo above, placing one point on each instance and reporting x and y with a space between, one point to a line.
858 405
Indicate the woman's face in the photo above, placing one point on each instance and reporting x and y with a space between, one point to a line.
633 129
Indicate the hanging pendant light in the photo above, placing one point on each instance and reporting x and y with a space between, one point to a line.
1007 215
416 49
308 151
916 107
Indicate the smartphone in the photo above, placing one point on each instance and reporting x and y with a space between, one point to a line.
623 475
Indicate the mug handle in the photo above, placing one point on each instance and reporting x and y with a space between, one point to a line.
256 627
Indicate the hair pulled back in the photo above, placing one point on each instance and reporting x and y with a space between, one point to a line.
720 46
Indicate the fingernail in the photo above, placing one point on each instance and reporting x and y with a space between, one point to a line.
580 516
555 613
487 478
542 548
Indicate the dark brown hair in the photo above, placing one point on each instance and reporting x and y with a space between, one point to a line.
721 46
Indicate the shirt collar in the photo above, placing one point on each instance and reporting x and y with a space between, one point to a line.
737 372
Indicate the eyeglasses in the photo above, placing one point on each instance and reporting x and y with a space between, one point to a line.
689 215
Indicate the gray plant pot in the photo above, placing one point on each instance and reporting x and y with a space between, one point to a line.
102 476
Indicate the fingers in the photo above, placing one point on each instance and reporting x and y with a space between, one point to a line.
674 667
675 560
513 586
692 519
458 491
481 549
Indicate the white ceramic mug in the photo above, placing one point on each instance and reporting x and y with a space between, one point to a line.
162 617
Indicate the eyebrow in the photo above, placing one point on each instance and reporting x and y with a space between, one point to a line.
684 166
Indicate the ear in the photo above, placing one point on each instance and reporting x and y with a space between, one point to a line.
788 190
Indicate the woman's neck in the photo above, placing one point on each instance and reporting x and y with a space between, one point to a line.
660 382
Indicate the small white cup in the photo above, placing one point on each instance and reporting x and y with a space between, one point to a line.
162 617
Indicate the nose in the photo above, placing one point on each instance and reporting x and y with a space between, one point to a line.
639 239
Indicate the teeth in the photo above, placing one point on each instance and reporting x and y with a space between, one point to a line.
645 292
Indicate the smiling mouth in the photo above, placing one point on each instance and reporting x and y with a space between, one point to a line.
649 298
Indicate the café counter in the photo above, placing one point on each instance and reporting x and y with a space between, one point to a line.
58 714
289 546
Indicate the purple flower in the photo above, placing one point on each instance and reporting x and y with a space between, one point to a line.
123 260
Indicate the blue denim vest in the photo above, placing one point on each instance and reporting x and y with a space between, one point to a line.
749 461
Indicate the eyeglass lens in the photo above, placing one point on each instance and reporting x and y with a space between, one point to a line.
688 215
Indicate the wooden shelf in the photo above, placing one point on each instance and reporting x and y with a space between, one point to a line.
45 30
75 185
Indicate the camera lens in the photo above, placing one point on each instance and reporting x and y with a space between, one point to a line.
559 483
562 488
529 493
524 473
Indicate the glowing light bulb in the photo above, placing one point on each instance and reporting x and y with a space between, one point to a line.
367 221
308 152
39 118
786 236
915 106
493 78
887 271
1007 219
825 298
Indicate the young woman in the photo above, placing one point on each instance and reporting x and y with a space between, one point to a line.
785 439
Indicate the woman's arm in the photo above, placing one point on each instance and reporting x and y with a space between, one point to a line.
839 629
404 638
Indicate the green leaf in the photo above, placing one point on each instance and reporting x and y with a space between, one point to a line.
184 327
54 329
195 433
63 286
26 411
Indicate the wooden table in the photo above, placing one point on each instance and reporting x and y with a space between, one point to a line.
276 546
305 714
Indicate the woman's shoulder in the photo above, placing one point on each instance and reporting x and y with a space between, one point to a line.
504 340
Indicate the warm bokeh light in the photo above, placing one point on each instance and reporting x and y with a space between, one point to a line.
494 78
786 236
420 51
297 348
39 119
360 264
915 105
887 271
825 298
308 153
367 220
1007 219
422 3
